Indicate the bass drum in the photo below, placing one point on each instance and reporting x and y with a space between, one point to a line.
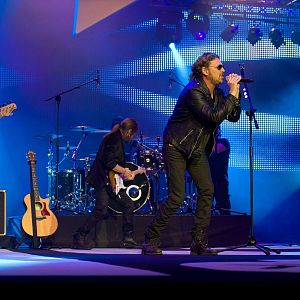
138 190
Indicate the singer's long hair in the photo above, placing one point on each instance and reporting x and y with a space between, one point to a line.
202 61
125 125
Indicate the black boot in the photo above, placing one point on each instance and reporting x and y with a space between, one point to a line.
200 245
151 247
80 241
129 242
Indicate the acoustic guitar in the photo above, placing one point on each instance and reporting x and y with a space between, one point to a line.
38 220
7 109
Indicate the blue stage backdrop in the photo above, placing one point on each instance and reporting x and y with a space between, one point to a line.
48 48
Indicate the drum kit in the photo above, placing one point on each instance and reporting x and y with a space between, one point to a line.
67 188
69 193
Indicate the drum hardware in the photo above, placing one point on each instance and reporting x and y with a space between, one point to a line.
72 193
86 159
156 180
150 159
50 174
87 192
67 149
147 157
50 136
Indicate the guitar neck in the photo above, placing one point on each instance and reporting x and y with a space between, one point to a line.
34 184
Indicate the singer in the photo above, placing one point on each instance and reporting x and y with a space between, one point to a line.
188 141
110 157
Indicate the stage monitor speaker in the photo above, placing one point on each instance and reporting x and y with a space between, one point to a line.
2 212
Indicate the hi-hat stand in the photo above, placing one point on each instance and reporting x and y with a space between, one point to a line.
57 99
251 116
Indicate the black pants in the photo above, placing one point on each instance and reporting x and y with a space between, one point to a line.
176 165
103 196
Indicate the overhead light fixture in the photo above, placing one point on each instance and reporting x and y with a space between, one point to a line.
295 37
169 28
276 37
198 25
254 35
229 32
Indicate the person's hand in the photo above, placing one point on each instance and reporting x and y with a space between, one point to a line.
142 170
129 175
233 83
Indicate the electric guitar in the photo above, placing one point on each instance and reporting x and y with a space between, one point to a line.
7 109
38 220
118 181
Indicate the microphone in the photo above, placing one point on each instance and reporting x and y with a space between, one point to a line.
246 80
170 81
98 78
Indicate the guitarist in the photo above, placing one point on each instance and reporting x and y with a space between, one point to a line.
110 157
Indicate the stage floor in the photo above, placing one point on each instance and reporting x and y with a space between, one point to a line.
109 268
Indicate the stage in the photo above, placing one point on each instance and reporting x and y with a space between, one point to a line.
223 230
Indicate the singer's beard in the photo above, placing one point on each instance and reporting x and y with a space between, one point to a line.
220 80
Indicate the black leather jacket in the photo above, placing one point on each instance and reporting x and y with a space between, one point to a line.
196 116
110 153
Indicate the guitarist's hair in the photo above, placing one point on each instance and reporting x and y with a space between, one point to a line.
126 124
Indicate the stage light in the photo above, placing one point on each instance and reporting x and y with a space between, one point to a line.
295 37
254 35
198 26
229 32
169 28
276 37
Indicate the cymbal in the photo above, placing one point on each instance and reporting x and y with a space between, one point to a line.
52 136
84 128
71 148
101 131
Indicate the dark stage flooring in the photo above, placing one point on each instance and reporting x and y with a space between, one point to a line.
109 267
117 269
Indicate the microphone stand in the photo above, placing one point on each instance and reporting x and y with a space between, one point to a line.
251 116
57 99
178 82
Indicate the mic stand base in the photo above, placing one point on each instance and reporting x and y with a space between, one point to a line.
225 211
252 243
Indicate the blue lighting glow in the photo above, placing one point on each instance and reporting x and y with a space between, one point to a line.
276 134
